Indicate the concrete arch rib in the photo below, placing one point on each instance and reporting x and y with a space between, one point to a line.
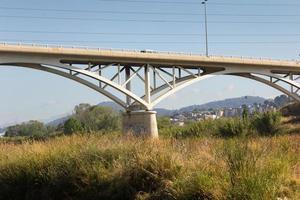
234 73
288 81
104 80
183 85
90 74
273 85
74 78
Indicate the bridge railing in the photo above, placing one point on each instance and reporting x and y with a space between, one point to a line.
89 48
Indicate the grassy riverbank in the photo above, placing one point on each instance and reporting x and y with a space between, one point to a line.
112 167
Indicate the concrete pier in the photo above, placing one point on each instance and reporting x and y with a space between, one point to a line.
140 123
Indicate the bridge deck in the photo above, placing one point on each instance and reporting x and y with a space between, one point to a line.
85 55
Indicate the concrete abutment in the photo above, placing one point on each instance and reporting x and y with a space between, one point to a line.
140 124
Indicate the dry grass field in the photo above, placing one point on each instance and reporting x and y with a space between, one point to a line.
113 167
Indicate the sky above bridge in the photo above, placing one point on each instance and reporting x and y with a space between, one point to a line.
256 28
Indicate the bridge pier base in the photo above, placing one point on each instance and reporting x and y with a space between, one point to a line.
140 124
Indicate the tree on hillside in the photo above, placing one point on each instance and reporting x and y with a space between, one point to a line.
81 108
98 118
31 128
72 126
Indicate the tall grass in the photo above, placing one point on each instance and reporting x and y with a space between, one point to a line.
252 174
111 167
260 124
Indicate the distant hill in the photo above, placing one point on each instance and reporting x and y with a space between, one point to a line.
58 121
111 104
164 112
62 120
116 107
227 103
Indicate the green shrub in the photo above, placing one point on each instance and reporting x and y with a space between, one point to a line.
263 124
234 127
225 127
201 129
173 132
97 118
31 128
72 126
194 129
268 123
163 122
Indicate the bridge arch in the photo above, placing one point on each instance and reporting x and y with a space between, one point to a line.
69 76
72 72
256 76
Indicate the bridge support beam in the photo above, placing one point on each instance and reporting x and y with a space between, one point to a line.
140 124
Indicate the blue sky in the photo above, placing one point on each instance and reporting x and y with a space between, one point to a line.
236 28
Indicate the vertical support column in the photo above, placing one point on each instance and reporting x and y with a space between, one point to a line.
119 74
147 84
100 74
179 72
71 70
154 79
141 123
292 78
128 85
174 77
89 66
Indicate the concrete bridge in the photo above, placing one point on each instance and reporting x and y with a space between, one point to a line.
139 80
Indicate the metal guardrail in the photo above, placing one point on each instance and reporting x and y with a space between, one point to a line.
134 51
89 48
